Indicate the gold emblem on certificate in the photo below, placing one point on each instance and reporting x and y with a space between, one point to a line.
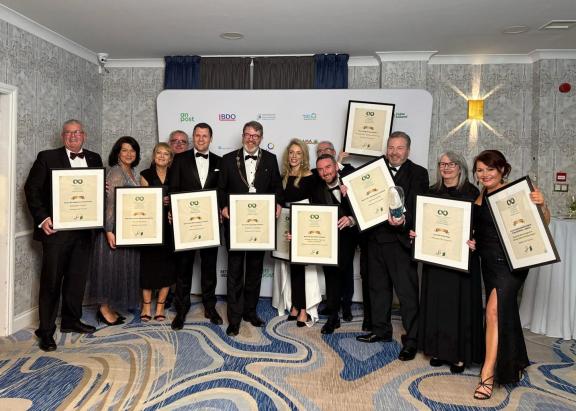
78 198
314 234
368 189
252 222
521 226
368 127
138 216
195 220
442 228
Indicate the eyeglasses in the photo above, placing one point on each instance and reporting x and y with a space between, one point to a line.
73 133
254 136
178 142
447 165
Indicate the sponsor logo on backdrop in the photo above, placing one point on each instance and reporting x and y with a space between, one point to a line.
229 148
268 272
227 117
186 118
401 115
309 116
270 146
310 141
266 116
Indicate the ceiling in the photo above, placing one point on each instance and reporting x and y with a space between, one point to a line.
134 29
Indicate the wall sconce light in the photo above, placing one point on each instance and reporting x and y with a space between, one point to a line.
475 109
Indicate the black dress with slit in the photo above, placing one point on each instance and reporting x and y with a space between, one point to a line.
512 357
451 315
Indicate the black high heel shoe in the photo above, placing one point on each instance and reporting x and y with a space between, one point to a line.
100 318
303 323
290 316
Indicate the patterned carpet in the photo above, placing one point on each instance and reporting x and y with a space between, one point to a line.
149 366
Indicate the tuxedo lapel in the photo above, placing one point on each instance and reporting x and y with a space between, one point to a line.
194 169
63 159
212 177
240 160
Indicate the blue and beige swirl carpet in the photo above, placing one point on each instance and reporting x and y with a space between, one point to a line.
280 367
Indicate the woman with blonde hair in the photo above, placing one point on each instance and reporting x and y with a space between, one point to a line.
298 182
157 269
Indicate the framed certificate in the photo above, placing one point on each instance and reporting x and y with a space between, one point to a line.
252 222
139 216
443 226
77 198
282 251
521 227
368 126
314 234
195 220
368 193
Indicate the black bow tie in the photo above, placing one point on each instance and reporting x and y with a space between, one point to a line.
74 155
252 157
394 169
337 188
205 156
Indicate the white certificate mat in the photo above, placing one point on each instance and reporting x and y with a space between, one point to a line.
314 234
368 193
77 198
252 222
442 228
139 216
520 224
195 220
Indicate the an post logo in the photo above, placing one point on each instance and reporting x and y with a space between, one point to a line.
227 117
186 118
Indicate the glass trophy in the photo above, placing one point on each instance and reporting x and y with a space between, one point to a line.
396 202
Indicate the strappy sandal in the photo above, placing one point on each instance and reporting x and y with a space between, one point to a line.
145 317
488 386
159 317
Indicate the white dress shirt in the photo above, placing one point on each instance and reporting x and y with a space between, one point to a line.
202 164
250 165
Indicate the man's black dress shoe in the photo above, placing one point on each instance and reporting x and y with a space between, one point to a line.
233 330
456 369
407 354
372 338
77 327
177 322
436 362
366 325
213 316
330 326
347 315
254 320
47 342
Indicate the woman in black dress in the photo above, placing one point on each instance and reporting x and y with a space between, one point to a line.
298 182
506 355
157 269
450 325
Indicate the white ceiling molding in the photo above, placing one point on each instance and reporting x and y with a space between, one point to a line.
567 54
151 63
405 55
23 22
363 61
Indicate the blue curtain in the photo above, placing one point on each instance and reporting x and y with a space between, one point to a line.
182 72
331 70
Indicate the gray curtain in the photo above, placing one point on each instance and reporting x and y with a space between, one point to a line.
283 72
225 72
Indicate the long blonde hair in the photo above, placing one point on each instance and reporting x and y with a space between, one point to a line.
304 168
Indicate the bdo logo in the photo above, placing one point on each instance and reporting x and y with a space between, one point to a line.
227 117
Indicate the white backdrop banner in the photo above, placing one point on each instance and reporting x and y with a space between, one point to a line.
310 115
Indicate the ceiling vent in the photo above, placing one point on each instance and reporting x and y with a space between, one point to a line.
558 25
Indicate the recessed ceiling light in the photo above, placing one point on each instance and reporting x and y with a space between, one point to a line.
232 36
515 29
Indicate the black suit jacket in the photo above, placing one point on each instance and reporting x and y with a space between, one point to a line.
38 189
414 180
233 176
184 173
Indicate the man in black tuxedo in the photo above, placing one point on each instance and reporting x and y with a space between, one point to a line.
247 170
389 261
65 254
347 289
193 170
329 193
